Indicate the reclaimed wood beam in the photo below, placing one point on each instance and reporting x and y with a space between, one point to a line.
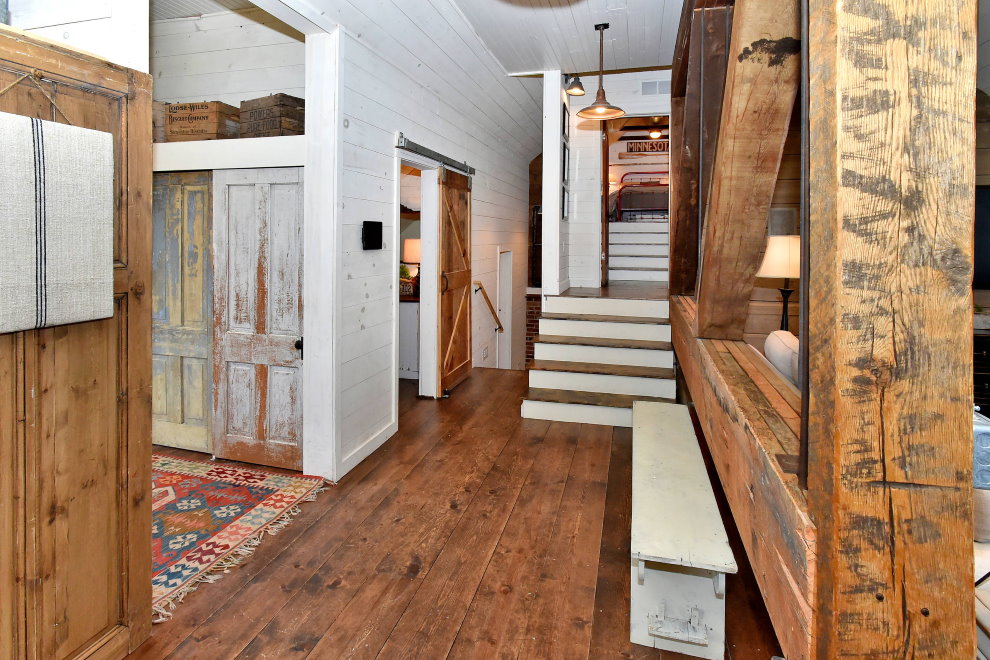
760 88
685 165
716 26
678 69
890 325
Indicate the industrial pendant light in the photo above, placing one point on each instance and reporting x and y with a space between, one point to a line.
601 109
574 87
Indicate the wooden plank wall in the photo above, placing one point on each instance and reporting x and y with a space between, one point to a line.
982 138
229 57
890 345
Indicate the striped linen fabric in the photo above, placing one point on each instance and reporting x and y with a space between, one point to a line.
56 224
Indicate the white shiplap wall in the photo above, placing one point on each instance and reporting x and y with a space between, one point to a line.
584 219
228 56
419 68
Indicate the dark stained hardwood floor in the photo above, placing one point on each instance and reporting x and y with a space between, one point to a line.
470 534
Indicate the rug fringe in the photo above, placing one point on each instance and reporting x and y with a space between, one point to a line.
162 610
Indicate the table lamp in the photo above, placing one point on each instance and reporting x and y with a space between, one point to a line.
782 260
412 254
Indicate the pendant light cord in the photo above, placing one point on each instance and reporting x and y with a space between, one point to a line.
601 58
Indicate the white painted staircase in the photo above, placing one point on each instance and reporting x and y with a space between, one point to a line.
595 356
638 251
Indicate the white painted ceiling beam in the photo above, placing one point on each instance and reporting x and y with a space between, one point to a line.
298 15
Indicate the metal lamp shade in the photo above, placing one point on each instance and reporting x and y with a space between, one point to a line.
574 87
601 109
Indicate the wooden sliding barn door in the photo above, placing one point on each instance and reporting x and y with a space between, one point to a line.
257 302
75 407
455 279
182 311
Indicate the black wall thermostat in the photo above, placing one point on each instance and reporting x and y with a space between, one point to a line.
371 235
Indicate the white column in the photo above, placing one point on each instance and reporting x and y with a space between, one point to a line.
321 296
552 128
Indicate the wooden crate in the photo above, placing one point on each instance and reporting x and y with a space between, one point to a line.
269 116
211 120
158 121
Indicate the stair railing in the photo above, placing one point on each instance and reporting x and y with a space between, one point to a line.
491 307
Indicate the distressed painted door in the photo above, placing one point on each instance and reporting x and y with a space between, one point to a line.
455 279
75 400
257 302
182 311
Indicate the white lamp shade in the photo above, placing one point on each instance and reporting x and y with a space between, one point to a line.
411 250
782 260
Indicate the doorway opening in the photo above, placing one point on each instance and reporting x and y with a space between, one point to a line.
410 258
438 267
636 194
227 345
504 339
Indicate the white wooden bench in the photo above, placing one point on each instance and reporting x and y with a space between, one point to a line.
680 551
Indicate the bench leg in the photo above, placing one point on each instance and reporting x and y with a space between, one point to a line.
677 608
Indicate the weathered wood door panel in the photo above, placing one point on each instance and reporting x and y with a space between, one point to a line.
455 279
257 299
182 311
75 408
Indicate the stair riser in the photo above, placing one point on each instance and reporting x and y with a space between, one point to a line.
606 307
581 414
606 384
637 239
638 262
635 357
617 274
643 250
609 330
637 227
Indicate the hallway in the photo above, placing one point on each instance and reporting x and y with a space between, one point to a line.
472 533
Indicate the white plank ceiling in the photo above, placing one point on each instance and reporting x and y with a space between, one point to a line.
539 35
165 9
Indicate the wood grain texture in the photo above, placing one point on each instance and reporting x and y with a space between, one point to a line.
745 420
257 316
455 356
890 304
716 25
685 170
429 549
760 88
182 310
77 462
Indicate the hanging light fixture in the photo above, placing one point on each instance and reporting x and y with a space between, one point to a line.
601 109
656 134
574 87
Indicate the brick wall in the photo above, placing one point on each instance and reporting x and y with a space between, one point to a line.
533 308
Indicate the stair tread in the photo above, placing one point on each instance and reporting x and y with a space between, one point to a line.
602 369
604 342
634 268
588 398
604 318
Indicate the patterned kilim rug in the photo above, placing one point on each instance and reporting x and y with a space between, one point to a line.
207 517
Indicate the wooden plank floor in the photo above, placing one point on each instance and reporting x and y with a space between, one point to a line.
619 289
471 534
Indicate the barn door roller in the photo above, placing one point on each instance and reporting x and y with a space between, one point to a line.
409 145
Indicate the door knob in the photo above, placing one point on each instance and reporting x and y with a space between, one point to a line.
299 346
